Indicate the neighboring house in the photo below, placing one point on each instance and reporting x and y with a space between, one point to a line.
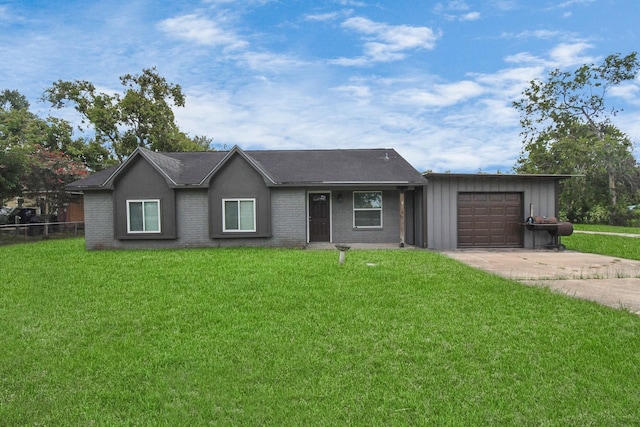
488 210
279 198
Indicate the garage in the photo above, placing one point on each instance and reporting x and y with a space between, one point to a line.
486 210
490 219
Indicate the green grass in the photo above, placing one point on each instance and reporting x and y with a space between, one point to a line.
288 337
617 246
607 228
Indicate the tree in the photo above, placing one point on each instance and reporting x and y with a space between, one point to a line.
141 116
567 129
13 100
25 138
17 127
48 172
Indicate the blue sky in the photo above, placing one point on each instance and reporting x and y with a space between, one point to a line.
433 79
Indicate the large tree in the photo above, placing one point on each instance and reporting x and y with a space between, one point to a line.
140 116
39 156
18 127
567 129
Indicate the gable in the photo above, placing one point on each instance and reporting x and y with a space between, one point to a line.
139 174
237 179
139 180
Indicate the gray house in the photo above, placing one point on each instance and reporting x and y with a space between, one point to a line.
285 198
277 198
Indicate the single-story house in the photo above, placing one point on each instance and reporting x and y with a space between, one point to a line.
280 198
291 198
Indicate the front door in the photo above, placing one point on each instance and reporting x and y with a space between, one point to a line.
319 217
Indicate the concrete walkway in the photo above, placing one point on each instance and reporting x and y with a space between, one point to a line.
610 281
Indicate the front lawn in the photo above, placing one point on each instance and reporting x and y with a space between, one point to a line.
289 337
616 246
607 228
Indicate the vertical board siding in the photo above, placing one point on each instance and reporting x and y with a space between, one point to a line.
442 209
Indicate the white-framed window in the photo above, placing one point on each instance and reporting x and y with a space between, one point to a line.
238 215
143 216
367 209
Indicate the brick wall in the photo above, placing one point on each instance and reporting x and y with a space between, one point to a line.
288 216
98 219
288 222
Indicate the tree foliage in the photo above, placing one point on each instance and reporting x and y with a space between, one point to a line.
48 172
140 116
567 129
36 154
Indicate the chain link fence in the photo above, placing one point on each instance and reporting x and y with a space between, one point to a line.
25 233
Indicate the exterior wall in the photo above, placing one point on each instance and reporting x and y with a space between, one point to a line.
289 207
98 219
288 221
142 181
238 179
442 209
343 230
192 216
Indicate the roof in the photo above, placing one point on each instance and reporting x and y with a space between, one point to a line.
497 175
380 166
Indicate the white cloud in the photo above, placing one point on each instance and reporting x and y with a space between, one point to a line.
440 95
352 3
504 5
331 16
203 31
354 91
385 43
570 54
569 3
537 34
456 10
630 92
457 5
471 16
525 58
270 62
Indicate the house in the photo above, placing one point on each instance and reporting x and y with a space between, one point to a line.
290 198
278 198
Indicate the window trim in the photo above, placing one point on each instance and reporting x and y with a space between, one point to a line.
143 231
380 209
224 215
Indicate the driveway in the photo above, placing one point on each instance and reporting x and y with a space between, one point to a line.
610 281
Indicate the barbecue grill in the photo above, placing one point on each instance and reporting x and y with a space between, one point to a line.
553 227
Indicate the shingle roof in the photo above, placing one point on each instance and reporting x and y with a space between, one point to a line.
279 167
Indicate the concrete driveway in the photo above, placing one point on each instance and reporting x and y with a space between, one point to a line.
610 281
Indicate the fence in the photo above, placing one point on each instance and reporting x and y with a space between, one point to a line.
18 233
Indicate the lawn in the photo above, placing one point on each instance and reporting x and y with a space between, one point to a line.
607 228
289 337
618 246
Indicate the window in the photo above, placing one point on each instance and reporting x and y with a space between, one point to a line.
367 209
143 216
239 215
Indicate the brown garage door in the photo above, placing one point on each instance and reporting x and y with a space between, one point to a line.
490 220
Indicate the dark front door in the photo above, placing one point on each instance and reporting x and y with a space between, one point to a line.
319 220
